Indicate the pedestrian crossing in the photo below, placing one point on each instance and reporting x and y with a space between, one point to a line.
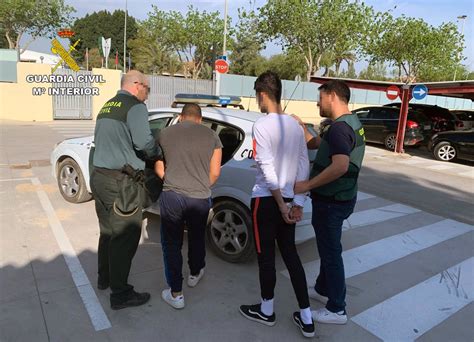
414 311
424 305
73 129
426 162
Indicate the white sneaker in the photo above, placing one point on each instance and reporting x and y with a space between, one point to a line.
316 296
325 316
194 280
175 302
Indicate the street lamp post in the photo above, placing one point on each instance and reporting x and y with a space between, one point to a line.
125 41
462 18
224 52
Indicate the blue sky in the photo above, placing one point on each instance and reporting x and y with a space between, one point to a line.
434 12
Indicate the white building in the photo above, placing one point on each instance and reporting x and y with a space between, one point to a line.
39 57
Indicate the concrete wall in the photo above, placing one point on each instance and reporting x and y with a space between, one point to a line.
307 91
107 90
308 111
17 101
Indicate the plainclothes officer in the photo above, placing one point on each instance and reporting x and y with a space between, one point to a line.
192 164
282 159
123 141
334 192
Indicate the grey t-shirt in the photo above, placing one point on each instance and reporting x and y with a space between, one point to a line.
187 151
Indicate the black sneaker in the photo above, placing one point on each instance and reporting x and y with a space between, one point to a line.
134 299
254 313
306 329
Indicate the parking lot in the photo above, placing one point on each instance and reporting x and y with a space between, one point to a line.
408 250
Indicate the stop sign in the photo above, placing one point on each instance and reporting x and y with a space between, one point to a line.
392 92
221 66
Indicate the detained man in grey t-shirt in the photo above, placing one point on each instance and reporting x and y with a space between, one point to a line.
191 165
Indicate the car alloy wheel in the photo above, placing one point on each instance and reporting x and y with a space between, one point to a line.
229 231
390 142
445 152
71 183
68 179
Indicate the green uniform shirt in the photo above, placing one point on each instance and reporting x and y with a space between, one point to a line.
122 134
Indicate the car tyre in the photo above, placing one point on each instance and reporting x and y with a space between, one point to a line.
229 232
444 151
390 141
71 183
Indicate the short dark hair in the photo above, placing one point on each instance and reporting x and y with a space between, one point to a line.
270 83
339 87
191 110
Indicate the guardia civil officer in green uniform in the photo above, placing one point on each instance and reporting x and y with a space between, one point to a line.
333 186
123 141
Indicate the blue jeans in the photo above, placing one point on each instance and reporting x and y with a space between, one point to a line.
327 221
177 211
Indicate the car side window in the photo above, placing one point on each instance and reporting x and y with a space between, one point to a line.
363 113
230 136
157 125
383 114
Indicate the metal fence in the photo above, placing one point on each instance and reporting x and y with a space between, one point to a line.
164 89
72 106
307 91
162 94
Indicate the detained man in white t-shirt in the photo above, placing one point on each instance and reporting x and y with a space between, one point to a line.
282 159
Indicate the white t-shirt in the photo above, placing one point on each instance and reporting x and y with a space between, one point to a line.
281 155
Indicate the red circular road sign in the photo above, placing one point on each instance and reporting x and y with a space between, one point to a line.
221 66
392 92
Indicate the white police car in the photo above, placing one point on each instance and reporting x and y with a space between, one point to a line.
229 231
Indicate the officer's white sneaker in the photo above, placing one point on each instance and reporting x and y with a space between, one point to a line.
325 316
316 296
175 302
194 280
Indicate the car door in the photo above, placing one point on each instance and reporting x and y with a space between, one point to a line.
465 145
385 122
153 184
365 118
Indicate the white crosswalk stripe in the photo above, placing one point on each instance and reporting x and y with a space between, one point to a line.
375 254
435 299
372 216
415 311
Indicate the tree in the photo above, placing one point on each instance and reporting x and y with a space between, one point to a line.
413 46
195 38
246 58
102 24
20 17
287 66
314 27
350 72
150 53
374 72
3 40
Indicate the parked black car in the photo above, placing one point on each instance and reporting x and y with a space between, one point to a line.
447 146
441 118
464 119
381 123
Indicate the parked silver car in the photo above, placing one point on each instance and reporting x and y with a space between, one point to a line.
229 229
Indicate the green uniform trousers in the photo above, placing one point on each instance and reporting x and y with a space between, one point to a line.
119 235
